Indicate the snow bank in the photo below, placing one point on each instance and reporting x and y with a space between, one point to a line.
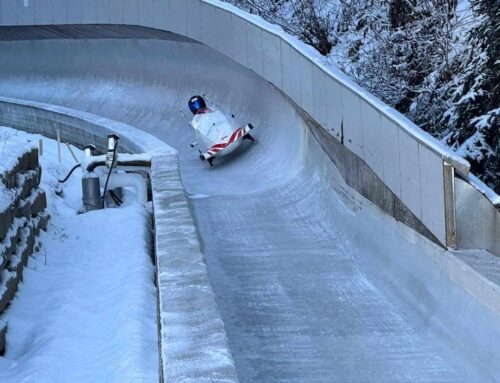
86 311
10 150
10 153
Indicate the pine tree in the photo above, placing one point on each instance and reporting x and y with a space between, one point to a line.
309 20
475 116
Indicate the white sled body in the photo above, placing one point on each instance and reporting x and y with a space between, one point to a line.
215 134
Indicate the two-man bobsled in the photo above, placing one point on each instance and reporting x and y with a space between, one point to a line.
215 134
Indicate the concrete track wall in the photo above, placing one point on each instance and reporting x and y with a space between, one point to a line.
477 220
407 160
313 284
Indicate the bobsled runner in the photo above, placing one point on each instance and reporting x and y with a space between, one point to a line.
215 134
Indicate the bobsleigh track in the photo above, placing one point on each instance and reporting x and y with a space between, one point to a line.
313 283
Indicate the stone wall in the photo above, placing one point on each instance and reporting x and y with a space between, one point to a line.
22 215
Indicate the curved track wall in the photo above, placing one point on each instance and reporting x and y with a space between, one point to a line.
408 161
312 285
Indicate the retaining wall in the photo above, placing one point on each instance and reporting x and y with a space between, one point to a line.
21 219
192 339
411 163
472 207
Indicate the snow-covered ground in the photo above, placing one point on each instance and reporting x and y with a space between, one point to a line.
10 152
86 310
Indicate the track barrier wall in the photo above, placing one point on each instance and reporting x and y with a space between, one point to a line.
410 162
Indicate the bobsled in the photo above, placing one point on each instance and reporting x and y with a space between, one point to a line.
216 135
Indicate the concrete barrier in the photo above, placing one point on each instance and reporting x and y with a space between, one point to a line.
192 339
194 343
408 160
477 220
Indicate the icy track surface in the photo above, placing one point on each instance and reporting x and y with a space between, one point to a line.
313 286
86 311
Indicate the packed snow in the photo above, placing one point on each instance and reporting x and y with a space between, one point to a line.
86 310
10 150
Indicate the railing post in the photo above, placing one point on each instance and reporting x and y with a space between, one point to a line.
449 205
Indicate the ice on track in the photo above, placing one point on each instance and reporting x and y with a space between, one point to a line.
86 311
312 287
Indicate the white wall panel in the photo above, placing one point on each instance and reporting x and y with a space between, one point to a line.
59 9
373 142
25 14
290 67
254 38
8 12
103 15
306 88
116 11
178 17
240 43
432 192
351 114
96 12
194 19
271 58
392 174
224 32
74 11
410 173
295 63
43 12
208 30
131 12
319 96
146 13
89 11
333 107
161 14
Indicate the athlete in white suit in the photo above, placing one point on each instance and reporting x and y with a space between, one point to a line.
214 133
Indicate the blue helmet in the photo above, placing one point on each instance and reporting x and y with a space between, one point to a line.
196 103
